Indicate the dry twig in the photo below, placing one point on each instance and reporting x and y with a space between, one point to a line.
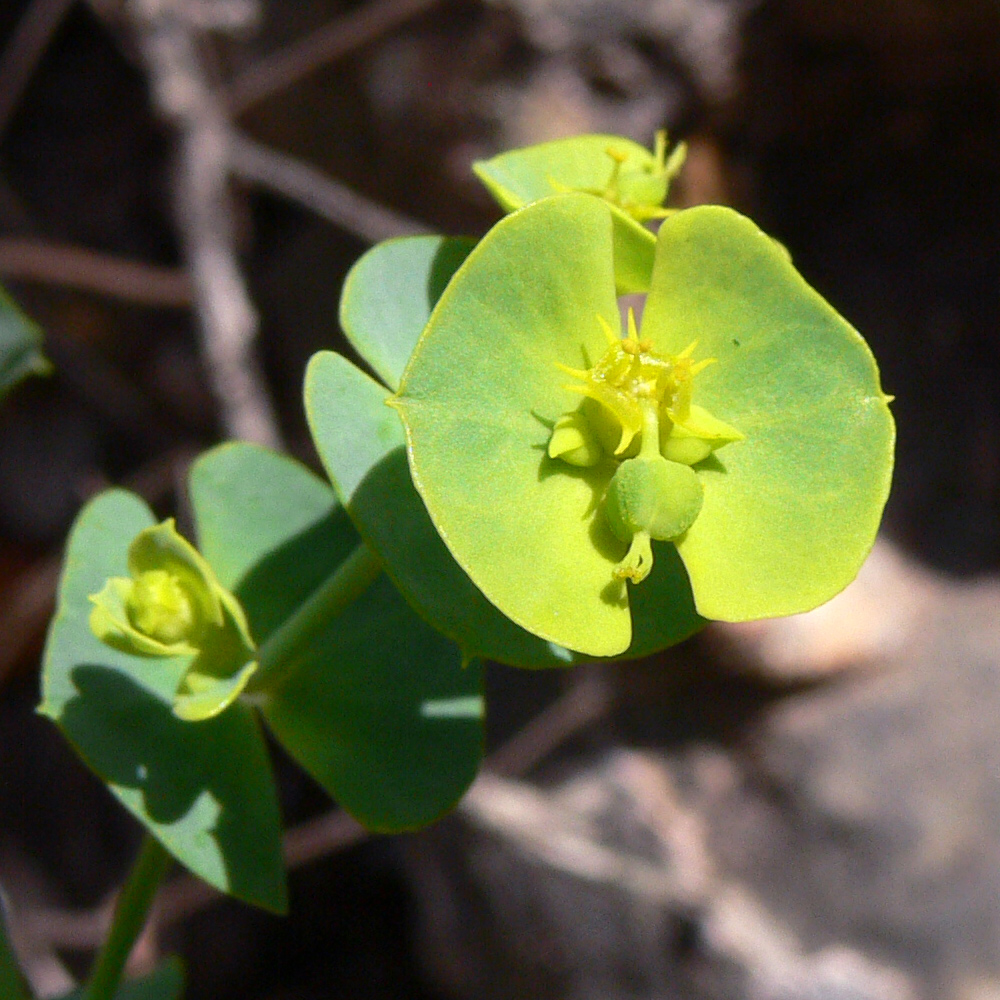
328 198
90 271
227 317
282 69
29 41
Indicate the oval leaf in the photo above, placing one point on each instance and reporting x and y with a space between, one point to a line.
479 399
790 512
388 296
204 789
362 444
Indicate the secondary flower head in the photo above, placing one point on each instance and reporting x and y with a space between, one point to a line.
170 605
623 173
740 436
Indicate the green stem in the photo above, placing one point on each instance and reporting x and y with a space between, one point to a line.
649 447
348 582
130 916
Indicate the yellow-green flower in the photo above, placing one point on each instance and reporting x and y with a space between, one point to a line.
170 605
741 436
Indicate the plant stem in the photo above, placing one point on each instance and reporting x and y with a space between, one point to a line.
650 444
131 911
350 579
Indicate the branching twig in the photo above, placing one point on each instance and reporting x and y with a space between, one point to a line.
587 700
29 41
283 68
326 197
79 267
228 320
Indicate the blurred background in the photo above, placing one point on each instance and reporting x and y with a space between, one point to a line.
798 809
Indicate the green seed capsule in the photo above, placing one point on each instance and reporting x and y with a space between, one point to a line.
654 496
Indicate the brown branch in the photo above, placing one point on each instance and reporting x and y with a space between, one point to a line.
30 39
281 69
90 271
226 315
587 700
333 201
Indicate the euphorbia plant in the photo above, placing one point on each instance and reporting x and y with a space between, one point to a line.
529 478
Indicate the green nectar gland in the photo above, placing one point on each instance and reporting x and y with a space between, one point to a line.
638 409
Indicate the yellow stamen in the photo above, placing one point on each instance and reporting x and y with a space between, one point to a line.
575 372
610 334
700 366
633 331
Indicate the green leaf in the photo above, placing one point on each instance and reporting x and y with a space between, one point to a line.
382 713
166 983
269 528
377 707
388 296
362 444
12 985
478 419
790 512
580 163
20 346
204 789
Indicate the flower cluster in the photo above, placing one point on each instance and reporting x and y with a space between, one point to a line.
173 605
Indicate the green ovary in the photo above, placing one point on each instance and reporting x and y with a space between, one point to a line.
160 607
637 409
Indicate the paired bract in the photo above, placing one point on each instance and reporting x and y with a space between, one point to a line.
768 468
